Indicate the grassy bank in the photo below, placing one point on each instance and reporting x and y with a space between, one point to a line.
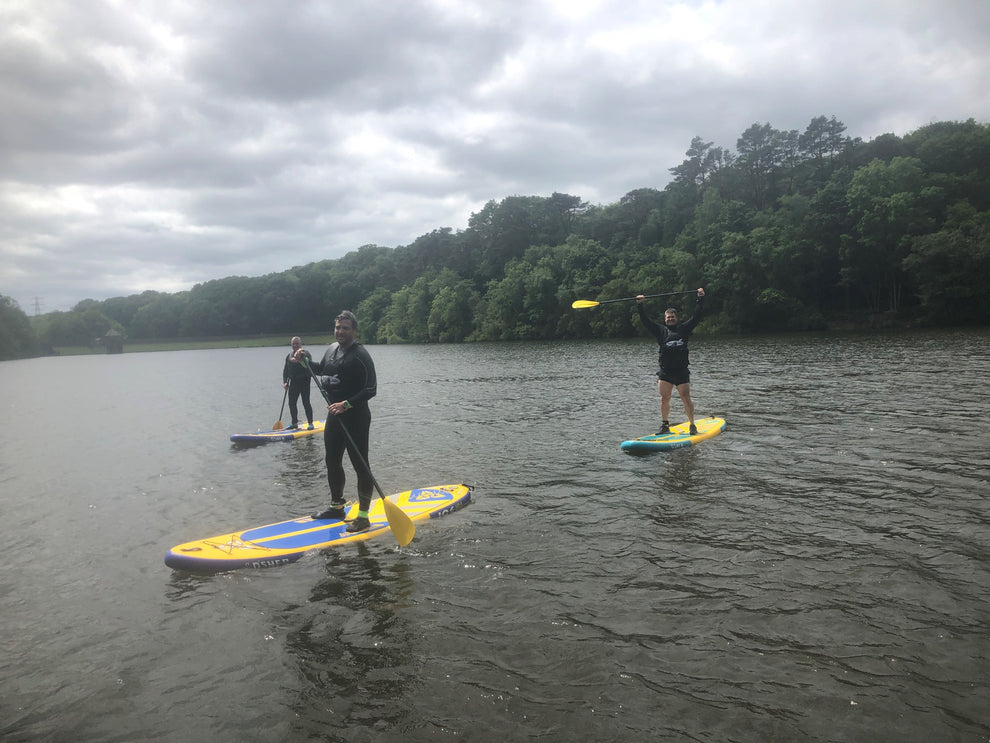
180 345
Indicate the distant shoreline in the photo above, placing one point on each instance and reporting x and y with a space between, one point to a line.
881 323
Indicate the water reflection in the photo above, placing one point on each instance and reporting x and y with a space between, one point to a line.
350 645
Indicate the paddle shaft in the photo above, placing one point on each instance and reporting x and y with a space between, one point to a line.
278 423
646 296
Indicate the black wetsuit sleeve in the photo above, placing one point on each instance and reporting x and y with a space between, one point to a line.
659 332
699 313
369 385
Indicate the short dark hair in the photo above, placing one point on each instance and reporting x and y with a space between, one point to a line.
347 315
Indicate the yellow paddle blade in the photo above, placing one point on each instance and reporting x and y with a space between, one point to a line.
580 304
278 426
398 520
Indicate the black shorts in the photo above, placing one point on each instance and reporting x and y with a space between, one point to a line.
676 377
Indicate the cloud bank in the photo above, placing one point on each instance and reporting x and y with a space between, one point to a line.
156 145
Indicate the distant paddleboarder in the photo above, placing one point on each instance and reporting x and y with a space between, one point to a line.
295 379
673 337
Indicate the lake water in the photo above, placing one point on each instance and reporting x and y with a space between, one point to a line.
818 572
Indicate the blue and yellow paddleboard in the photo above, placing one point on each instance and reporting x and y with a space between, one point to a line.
282 434
677 438
286 541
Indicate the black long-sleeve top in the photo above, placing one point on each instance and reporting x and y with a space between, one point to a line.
673 341
347 375
294 371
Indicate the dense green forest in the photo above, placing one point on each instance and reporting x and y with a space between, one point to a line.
790 231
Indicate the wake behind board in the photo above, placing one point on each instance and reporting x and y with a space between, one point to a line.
286 541
677 438
283 434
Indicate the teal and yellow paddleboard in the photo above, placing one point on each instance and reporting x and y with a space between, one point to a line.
677 438
286 541
282 434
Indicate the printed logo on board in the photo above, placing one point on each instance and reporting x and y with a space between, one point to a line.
428 494
274 563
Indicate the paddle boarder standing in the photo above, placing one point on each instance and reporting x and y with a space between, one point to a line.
295 379
673 337
348 381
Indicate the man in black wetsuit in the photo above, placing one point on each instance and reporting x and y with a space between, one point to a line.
673 372
349 380
295 379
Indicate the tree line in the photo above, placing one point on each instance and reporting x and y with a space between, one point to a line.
789 231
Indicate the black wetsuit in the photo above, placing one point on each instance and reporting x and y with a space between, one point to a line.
348 375
673 343
297 376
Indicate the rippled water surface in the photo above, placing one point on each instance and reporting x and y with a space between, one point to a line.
818 572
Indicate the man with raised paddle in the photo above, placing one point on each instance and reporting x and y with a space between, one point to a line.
672 338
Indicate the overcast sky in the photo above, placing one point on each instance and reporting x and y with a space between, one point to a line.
152 144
